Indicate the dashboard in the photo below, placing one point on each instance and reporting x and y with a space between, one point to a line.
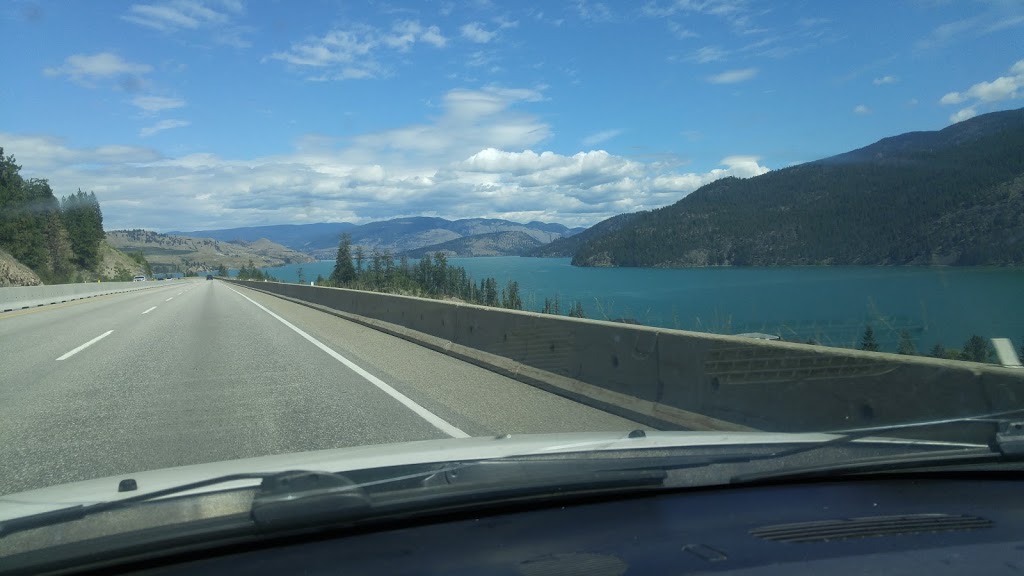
895 525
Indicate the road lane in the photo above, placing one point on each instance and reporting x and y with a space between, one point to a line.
210 376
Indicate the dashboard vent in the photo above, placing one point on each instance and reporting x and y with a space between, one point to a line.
846 528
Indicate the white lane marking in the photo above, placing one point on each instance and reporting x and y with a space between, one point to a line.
169 299
150 310
86 345
434 420
178 294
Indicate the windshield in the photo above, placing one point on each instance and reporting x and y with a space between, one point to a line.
250 229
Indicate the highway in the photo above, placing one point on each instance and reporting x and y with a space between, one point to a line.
201 371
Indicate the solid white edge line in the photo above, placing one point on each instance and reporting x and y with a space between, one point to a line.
86 345
150 310
434 420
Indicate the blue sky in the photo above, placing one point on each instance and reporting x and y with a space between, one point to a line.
189 114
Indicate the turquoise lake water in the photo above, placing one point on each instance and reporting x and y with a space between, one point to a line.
829 304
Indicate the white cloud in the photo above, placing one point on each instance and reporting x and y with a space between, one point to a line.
161 126
708 54
952 98
353 52
104 65
1002 88
173 16
475 32
407 32
478 155
861 109
885 80
599 137
594 11
962 115
152 104
178 14
733 76
986 93
679 32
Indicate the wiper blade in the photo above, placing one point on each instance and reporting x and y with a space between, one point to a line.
1005 443
8 527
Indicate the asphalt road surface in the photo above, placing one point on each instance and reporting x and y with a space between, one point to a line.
203 371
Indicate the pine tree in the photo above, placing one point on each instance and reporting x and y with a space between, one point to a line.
868 341
906 345
344 272
976 349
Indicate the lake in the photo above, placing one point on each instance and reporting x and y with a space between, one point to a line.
828 304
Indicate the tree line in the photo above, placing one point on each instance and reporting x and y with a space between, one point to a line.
975 349
432 276
57 239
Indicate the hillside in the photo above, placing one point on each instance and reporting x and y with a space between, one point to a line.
14 273
300 237
194 255
951 197
566 247
490 244
116 265
396 235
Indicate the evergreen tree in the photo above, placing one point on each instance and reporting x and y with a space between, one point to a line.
976 349
344 272
867 341
906 345
576 310
360 256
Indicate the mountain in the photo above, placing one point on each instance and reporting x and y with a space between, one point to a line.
167 253
397 235
299 237
566 247
950 197
512 243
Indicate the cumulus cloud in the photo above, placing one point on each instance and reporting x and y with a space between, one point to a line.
161 126
475 32
355 52
153 104
1003 88
733 76
480 155
963 114
861 109
91 67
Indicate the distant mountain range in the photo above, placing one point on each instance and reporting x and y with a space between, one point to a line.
950 197
511 243
397 235
168 253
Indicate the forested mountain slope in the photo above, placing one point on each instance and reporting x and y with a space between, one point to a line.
954 197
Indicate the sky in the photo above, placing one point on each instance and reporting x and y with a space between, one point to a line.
203 114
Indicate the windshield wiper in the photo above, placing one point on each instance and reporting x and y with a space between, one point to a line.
1004 443
78 511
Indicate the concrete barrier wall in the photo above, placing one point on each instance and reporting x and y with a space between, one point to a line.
678 379
19 297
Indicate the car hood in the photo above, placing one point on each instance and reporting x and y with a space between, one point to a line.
375 456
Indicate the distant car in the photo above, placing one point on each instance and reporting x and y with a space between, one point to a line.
209 276
139 279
